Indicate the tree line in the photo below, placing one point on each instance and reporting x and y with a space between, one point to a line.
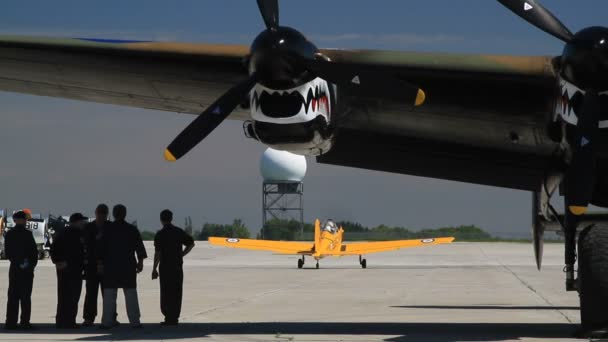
236 229
292 230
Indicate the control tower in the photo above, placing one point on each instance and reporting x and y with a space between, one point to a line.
283 187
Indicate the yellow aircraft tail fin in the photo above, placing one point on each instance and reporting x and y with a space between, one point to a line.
317 233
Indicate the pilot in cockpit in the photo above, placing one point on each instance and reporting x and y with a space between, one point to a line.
330 226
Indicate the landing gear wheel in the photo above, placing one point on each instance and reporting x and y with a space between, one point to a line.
317 265
593 278
300 263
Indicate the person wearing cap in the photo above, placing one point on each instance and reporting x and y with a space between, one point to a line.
22 252
67 253
93 233
121 257
171 244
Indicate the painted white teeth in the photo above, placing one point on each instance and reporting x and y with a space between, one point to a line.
317 87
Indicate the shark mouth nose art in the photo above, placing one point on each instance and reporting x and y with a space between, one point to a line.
310 99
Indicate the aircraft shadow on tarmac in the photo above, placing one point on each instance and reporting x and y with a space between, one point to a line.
487 307
436 332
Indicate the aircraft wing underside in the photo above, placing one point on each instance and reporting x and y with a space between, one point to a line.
482 114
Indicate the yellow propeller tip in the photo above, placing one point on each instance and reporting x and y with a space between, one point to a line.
578 211
420 97
169 156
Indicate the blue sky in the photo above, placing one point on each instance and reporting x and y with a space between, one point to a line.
69 163
473 25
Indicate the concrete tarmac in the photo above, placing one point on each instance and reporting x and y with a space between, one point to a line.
457 292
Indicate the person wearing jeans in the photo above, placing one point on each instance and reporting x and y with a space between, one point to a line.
120 258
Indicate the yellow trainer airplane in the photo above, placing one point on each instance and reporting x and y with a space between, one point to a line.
328 242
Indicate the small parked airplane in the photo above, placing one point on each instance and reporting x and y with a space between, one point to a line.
328 242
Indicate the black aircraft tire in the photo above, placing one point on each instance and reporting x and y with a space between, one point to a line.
593 277
364 263
300 263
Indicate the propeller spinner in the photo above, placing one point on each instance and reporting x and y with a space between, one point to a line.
281 58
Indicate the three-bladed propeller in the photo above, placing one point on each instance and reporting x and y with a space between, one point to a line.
281 55
582 63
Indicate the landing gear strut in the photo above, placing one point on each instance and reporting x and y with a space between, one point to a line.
317 264
362 261
570 226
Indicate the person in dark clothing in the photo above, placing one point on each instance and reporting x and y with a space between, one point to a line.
93 233
67 253
22 252
120 245
169 253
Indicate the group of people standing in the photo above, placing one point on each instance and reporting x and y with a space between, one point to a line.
108 256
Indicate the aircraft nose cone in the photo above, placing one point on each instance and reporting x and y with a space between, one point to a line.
276 58
585 59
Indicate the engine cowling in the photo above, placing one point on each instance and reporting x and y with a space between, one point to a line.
297 119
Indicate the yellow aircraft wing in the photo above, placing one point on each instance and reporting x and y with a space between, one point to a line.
283 247
384 246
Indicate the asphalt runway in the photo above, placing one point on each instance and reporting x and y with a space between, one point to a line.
458 292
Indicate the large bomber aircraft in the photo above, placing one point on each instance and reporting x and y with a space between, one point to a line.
327 242
534 123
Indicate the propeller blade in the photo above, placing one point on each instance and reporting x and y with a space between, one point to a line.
270 12
580 180
534 13
205 123
367 83
538 229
